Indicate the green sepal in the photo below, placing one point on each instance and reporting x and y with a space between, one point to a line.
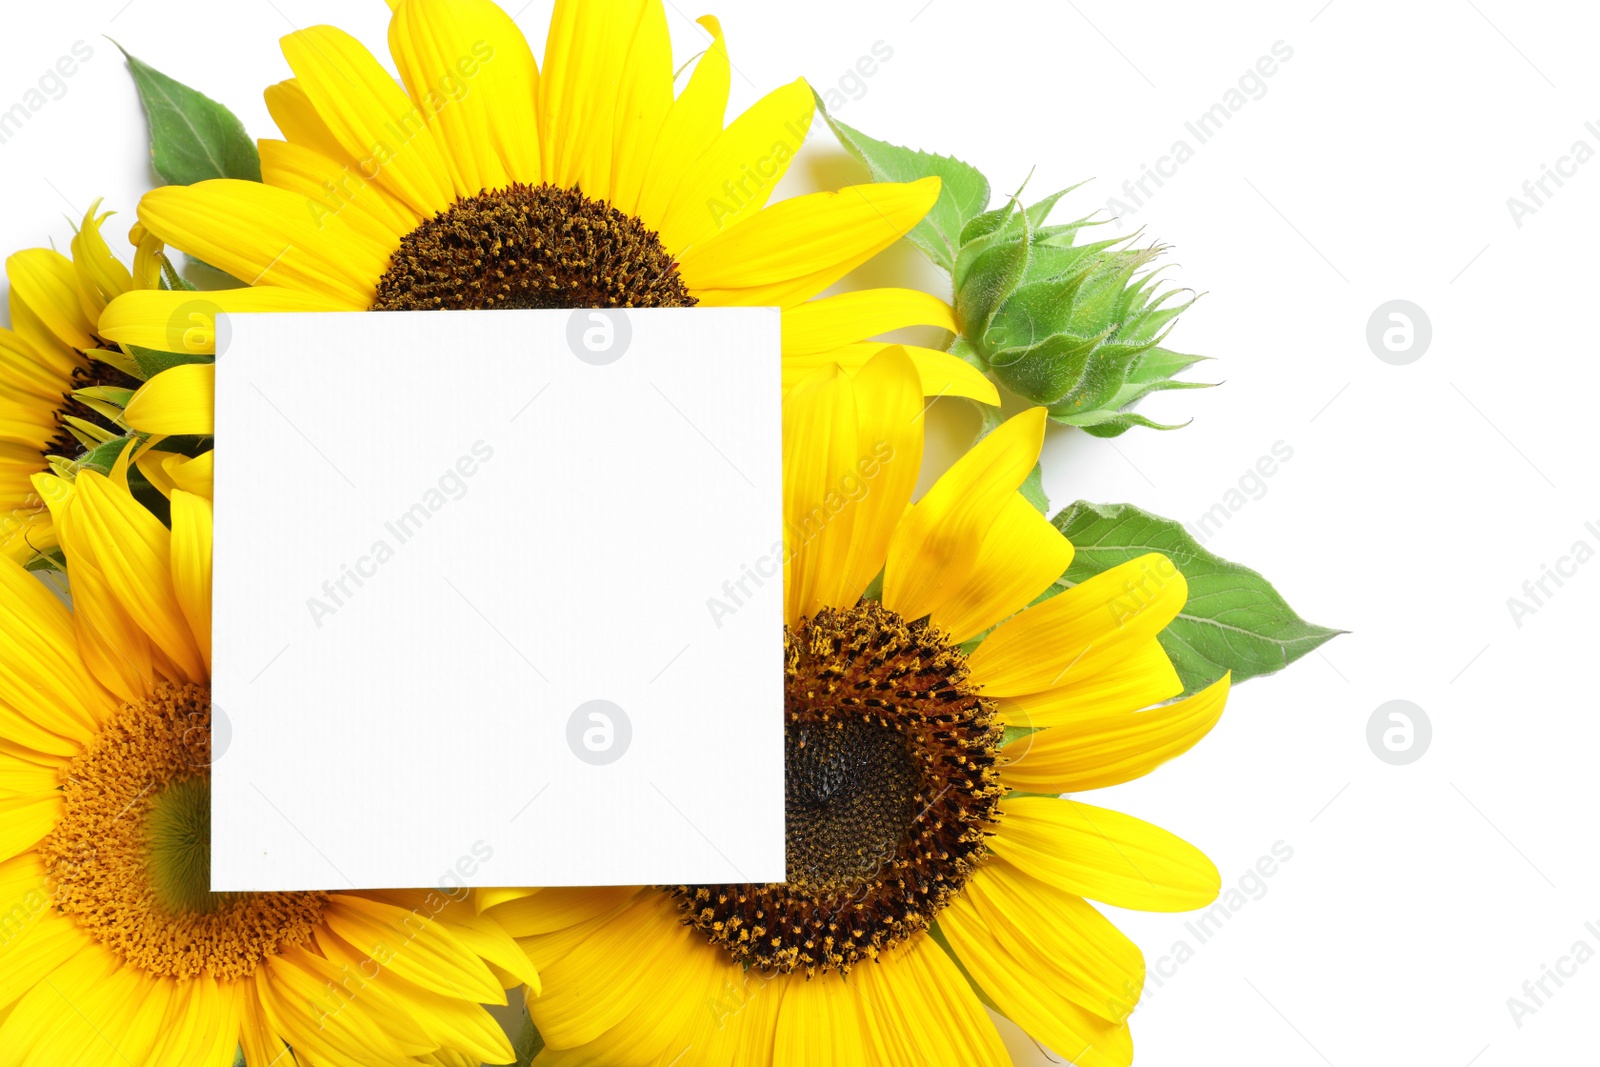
527 1043
102 457
152 363
192 137
51 559
1234 619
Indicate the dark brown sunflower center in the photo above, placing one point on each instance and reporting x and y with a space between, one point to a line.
890 785
530 246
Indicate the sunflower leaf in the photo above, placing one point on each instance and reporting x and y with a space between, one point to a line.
1234 619
192 137
964 196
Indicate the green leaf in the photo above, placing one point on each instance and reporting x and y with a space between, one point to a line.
152 363
192 137
963 198
1234 619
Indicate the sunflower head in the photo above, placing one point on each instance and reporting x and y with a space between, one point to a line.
891 780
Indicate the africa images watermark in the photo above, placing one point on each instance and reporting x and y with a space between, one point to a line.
1251 85
1537 192
450 88
450 486
1537 592
851 489
1537 992
752 180
50 86
451 889
1247 889
1252 485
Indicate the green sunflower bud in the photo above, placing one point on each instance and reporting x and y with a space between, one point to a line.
1076 327
1075 324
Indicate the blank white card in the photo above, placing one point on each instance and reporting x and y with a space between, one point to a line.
498 599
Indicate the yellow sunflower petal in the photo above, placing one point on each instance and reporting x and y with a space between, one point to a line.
888 459
923 1002
24 821
1100 749
1020 558
804 235
38 946
330 190
693 122
115 650
49 349
179 400
258 1039
44 280
471 68
583 69
176 321
268 236
1083 631
1139 676
370 116
191 566
557 908
101 275
835 321
1045 937
293 980
202 1025
821 1021
630 954
192 475
736 175
1043 1011
432 958
644 100
89 1002
820 481
28 372
1104 855
134 552
938 543
301 126
941 373
45 701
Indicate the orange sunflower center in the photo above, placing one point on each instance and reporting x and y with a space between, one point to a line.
530 246
891 783
130 858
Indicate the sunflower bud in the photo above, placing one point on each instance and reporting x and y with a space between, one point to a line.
1076 327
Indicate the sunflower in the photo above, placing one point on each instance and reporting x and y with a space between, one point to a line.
483 182
59 395
112 948
933 868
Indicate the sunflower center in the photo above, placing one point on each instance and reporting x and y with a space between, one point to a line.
530 246
130 859
890 784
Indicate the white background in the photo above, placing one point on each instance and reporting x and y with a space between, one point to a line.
1419 498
